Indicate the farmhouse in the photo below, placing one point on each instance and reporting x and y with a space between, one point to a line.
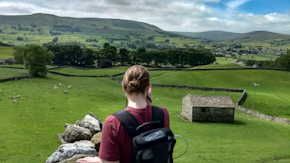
208 108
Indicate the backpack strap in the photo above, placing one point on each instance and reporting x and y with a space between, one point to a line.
128 121
131 124
158 115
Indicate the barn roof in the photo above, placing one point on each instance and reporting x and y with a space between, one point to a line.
210 101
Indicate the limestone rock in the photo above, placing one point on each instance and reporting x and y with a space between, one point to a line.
90 123
96 139
66 151
60 136
101 122
75 133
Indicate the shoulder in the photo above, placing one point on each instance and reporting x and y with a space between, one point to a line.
111 123
164 110
111 119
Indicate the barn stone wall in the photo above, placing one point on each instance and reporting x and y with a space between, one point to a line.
193 111
213 114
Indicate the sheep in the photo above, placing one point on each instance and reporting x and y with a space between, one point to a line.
55 87
156 99
18 96
65 91
15 101
69 87
60 84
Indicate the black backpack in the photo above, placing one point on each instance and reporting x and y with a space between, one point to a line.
152 146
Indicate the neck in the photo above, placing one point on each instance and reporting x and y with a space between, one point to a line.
137 101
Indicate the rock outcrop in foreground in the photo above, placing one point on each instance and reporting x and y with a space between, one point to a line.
79 140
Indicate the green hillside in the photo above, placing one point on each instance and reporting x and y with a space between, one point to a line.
210 35
83 25
94 32
230 36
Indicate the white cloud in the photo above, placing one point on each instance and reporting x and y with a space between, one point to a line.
236 3
213 18
172 15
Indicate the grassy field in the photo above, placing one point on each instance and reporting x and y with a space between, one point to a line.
29 129
272 95
94 72
222 60
13 65
8 73
6 52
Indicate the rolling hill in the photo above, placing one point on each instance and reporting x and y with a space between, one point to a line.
230 36
42 28
82 25
94 32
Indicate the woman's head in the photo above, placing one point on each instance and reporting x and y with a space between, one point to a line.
136 79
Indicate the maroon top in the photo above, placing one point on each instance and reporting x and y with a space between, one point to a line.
116 143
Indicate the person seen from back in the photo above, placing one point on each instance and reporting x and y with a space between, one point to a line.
116 143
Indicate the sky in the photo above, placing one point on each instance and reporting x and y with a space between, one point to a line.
170 15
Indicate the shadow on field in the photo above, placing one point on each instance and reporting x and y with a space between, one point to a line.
239 123
234 123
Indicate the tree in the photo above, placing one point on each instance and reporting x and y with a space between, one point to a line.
158 57
55 39
147 57
173 57
18 54
111 53
36 58
140 55
106 45
88 58
67 54
123 56
20 38
284 61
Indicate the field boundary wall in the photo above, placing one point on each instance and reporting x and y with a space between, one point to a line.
15 78
238 104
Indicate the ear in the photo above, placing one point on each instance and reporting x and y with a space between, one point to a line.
124 89
148 87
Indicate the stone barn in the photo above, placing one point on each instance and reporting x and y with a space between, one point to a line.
208 108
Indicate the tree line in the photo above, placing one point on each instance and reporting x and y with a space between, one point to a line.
81 56
77 55
283 62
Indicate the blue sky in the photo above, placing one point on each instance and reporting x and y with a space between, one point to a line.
171 15
256 6
266 6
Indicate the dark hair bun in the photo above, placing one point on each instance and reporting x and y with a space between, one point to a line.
136 79
134 85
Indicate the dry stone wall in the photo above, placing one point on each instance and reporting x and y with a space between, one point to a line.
238 104
79 140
